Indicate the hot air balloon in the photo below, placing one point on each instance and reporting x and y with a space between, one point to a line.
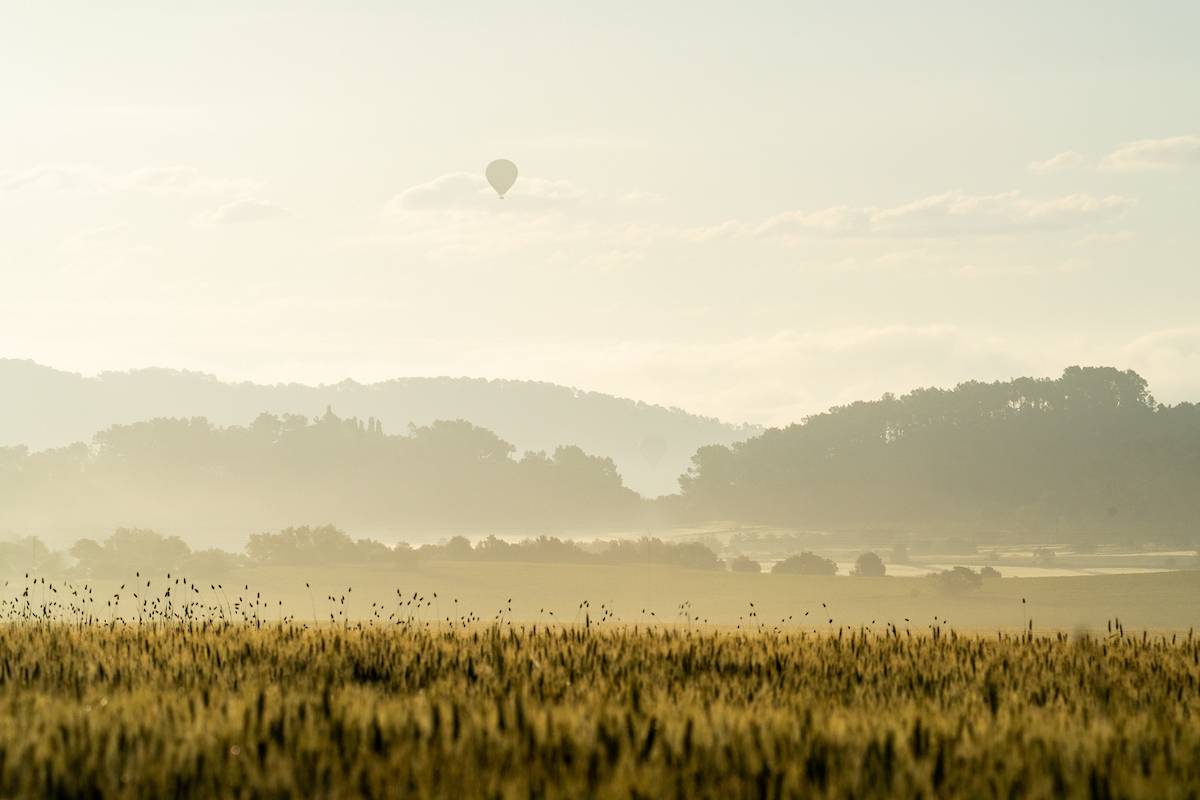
501 174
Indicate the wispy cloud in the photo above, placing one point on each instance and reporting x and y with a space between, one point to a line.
1060 161
465 191
947 214
1154 154
171 179
243 211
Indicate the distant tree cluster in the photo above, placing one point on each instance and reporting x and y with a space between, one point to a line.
650 443
315 547
131 550
30 555
962 579
186 474
744 564
805 564
1090 454
550 549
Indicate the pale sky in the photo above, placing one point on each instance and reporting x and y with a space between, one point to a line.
748 210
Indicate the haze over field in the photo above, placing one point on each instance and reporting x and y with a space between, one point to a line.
751 214
612 400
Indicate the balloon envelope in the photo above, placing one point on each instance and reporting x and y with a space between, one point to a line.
501 174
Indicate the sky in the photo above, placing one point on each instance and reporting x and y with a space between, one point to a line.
752 211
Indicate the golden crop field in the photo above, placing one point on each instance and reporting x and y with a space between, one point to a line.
196 707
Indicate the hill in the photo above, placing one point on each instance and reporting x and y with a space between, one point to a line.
1087 456
42 407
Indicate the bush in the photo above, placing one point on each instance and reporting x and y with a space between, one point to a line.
869 565
744 564
989 572
806 564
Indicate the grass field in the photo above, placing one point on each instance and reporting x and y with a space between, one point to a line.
275 711
553 593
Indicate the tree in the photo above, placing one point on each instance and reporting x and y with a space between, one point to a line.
212 563
29 554
869 565
130 550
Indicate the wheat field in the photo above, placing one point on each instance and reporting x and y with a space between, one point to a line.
210 708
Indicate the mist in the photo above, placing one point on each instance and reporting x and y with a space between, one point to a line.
637 400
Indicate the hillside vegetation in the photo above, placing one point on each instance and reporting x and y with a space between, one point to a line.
189 476
1089 455
43 408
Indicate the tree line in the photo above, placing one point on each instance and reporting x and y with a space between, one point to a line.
192 476
129 550
1090 454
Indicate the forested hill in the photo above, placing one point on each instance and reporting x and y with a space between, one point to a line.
41 407
1089 455
213 484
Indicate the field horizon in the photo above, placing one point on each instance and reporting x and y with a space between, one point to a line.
555 594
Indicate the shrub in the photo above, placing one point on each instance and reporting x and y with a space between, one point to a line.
806 564
989 572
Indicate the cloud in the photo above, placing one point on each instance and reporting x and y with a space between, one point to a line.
947 214
456 190
53 178
1169 359
1154 154
245 210
173 179
181 180
1060 161
465 191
